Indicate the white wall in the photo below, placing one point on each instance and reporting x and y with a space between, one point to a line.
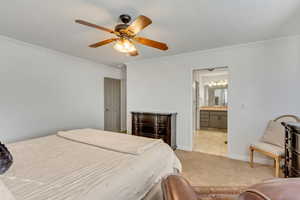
264 83
42 91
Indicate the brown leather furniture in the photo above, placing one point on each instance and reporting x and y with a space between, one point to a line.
177 188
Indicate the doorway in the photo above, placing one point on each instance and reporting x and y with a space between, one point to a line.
210 110
112 104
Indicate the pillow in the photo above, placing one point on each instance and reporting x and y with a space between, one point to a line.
5 194
274 134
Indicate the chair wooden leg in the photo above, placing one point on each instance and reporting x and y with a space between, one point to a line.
251 156
277 166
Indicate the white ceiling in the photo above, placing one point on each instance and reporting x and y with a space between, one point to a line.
185 25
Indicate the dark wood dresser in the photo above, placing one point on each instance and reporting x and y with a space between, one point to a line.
155 125
292 149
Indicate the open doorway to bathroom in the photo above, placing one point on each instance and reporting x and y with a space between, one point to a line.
210 106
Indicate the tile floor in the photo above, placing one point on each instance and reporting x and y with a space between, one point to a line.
210 142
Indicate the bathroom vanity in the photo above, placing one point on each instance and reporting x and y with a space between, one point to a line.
213 117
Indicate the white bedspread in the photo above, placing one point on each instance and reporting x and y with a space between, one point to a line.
54 168
110 140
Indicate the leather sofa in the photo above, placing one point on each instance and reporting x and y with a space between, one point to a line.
178 188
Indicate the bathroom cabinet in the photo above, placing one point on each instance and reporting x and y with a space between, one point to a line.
213 119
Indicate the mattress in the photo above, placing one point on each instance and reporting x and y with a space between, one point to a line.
54 168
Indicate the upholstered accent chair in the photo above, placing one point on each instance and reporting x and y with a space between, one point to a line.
273 146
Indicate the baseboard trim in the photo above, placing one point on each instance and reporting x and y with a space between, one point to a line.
184 148
257 159
246 158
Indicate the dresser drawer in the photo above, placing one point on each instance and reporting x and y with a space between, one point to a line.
162 131
162 119
295 142
204 124
294 173
204 113
292 150
145 119
218 113
295 160
204 119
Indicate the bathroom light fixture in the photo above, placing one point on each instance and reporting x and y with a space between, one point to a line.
217 83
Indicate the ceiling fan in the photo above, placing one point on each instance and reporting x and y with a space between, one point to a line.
126 35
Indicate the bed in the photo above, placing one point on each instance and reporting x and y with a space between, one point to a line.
88 164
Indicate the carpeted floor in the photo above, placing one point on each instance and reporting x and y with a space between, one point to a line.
209 170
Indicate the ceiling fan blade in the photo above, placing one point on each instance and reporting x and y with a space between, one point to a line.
93 25
139 24
104 42
151 43
133 53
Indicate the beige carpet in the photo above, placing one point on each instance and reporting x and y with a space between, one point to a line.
209 170
210 141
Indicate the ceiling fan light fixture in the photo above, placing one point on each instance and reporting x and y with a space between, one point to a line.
126 35
124 46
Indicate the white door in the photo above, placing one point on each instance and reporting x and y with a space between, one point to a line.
112 104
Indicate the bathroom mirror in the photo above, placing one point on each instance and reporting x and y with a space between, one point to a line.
216 95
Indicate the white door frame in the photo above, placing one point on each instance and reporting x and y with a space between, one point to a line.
228 111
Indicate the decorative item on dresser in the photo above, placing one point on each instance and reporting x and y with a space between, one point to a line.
292 149
155 125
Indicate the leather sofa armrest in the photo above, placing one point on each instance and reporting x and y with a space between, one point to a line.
175 187
275 189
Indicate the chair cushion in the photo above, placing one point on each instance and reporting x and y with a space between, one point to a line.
274 134
276 150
